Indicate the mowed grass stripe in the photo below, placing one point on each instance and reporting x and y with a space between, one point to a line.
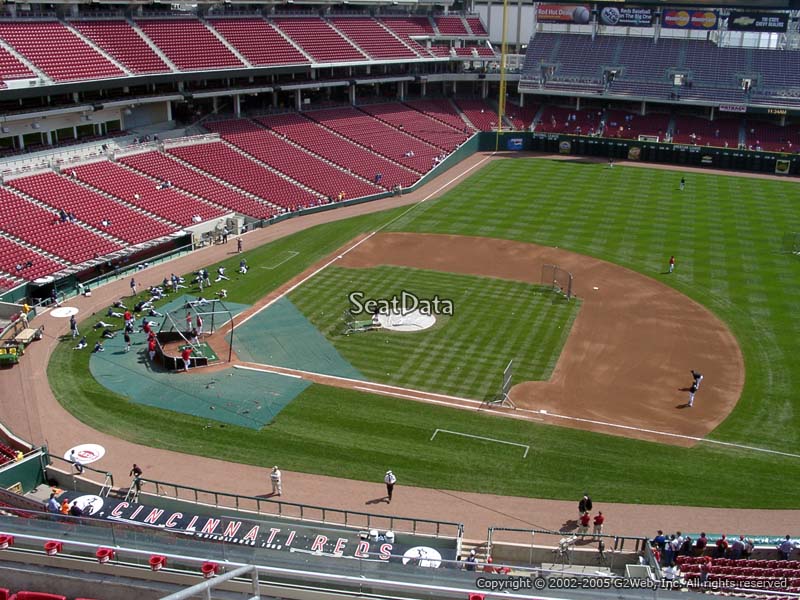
724 231
494 321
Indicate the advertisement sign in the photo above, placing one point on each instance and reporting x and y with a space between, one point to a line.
514 144
741 20
563 13
625 16
734 108
690 19
564 147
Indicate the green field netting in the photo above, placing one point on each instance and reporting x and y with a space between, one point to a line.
282 336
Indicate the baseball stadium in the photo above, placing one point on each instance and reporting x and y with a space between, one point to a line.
417 299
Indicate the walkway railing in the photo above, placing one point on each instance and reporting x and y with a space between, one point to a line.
302 512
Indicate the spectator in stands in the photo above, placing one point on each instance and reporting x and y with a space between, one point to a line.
378 178
64 507
671 572
786 547
75 510
52 505
700 544
669 550
62 216
660 540
748 548
98 347
471 561
105 223
722 547
82 343
686 547
737 548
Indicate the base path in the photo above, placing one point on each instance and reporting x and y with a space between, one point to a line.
29 409
629 354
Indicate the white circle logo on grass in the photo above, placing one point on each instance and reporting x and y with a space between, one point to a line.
86 453
89 504
64 311
423 556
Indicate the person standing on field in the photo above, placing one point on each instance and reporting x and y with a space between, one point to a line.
683 183
389 480
692 392
698 377
275 478
671 263
585 505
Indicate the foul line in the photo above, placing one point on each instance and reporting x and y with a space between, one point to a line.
358 243
480 437
267 371
423 396
291 253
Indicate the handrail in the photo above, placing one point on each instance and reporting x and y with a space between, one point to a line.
107 475
641 542
281 508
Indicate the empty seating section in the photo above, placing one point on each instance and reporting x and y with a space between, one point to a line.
440 109
772 137
694 130
572 53
644 60
378 137
57 51
522 116
11 68
480 114
712 66
169 204
164 168
636 125
120 40
777 69
476 26
744 570
405 27
417 124
225 163
319 40
41 228
188 44
451 26
372 38
343 152
14 259
485 52
292 161
5 285
91 208
258 41
556 119
440 49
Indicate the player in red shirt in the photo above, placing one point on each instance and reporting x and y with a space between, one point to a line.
186 355
151 348
585 518
598 523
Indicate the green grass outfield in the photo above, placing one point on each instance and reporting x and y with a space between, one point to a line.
493 321
725 232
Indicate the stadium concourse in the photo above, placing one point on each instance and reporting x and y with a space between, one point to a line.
44 420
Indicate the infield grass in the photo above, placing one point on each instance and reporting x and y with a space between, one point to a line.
725 232
493 321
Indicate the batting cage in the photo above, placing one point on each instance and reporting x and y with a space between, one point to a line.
560 280
188 326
